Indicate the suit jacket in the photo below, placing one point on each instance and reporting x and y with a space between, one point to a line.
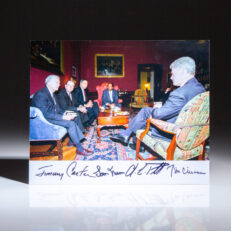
177 99
106 97
78 95
42 99
64 101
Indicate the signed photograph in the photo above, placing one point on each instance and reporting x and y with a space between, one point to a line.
158 112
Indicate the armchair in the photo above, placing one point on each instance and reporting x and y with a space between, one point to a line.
190 132
42 130
139 100
100 89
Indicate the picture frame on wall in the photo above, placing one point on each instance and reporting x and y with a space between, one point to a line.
73 71
109 65
47 55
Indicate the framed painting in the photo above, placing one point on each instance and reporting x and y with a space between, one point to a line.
47 55
109 65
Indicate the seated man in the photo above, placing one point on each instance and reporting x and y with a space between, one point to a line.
110 96
68 102
183 77
46 101
82 99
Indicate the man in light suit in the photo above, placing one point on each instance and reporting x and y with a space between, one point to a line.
183 77
47 102
82 99
110 96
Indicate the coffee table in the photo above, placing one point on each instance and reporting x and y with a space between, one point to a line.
110 118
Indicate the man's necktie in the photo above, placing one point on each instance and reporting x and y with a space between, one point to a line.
52 96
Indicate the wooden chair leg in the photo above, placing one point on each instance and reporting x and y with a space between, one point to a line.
137 148
171 149
60 149
99 136
202 155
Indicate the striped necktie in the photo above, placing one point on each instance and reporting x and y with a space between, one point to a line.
85 96
70 101
52 96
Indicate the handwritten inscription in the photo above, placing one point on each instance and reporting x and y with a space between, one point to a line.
139 169
45 172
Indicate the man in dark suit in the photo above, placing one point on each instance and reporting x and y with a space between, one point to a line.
183 77
47 102
110 96
68 102
82 99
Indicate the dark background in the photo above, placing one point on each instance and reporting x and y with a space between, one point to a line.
22 21
108 20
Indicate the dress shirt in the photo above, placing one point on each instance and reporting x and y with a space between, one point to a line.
70 96
52 96
110 94
83 91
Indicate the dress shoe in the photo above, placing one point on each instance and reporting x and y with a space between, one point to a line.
120 138
133 146
88 125
87 151
84 153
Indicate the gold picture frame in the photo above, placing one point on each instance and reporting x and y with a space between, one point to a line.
47 55
109 65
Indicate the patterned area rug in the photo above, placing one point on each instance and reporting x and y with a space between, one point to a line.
107 149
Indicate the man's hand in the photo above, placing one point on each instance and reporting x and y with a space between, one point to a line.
167 90
89 104
82 109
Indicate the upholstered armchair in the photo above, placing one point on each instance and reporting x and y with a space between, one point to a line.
139 99
190 132
100 89
42 130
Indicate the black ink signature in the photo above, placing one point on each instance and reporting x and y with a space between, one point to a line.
71 170
191 172
50 173
152 168
99 172
173 169
114 172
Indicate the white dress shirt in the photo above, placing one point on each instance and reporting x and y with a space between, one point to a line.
83 94
110 94
52 96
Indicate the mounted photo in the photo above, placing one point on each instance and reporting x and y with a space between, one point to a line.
136 110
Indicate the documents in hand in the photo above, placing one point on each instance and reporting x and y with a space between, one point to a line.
71 113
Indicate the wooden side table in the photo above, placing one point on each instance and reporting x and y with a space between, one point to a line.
109 118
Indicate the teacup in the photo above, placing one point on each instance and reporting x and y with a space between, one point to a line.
102 109
116 109
158 104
